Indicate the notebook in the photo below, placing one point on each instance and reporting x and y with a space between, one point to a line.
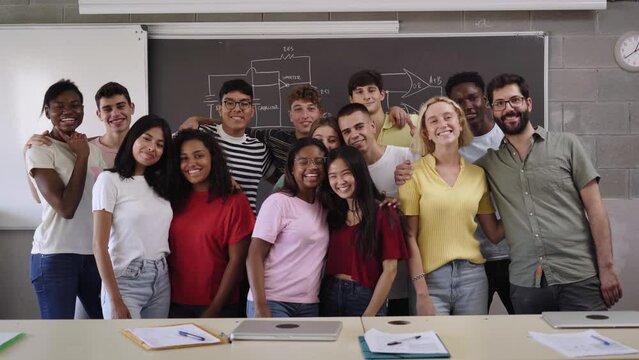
591 319
172 336
295 330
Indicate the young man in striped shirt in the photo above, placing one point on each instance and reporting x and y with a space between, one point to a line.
248 159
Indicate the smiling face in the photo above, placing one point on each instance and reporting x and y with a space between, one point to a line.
115 112
302 115
328 136
341 179
236 111
442 124
511 119
65 112
308 171
370 96
358 130
195 164
148 149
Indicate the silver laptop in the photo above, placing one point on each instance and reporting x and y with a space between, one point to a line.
591 319
287 329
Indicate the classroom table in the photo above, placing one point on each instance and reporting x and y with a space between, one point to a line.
493 337
101 339
466 337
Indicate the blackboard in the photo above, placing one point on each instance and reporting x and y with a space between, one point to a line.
33 58
185 74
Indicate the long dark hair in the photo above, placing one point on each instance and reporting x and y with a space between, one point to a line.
156 175
366 199
290 185
220 184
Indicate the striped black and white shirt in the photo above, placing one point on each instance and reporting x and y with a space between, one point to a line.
248 159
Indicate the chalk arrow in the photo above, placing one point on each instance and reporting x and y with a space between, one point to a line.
417 84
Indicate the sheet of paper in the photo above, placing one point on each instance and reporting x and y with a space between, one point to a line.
405 343
163 336
584 343
5 337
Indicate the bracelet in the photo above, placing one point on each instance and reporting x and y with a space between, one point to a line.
422 275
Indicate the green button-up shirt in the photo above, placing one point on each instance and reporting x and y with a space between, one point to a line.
539 201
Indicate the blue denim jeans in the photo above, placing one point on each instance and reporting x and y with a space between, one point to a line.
345 298
182 311
281 309
457 288
145 290
59 278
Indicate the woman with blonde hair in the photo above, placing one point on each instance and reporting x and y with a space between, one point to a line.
441 201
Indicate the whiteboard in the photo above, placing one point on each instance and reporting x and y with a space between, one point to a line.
32 58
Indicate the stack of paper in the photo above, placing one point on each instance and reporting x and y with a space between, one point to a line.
585 343
380 345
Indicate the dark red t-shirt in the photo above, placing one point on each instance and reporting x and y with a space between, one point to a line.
199 239
343 257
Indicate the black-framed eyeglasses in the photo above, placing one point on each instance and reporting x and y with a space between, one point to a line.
303 161
231 104
514 101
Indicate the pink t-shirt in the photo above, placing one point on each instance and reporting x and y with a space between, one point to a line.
299 234
108 154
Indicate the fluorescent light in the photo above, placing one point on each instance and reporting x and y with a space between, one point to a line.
293 6
238 30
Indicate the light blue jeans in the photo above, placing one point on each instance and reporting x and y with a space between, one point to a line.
281 309
457 288
145 290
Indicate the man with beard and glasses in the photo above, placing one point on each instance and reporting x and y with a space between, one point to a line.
547 192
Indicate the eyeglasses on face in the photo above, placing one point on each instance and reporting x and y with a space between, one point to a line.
514 101
302 161
231 104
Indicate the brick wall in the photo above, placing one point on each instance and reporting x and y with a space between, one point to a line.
589 94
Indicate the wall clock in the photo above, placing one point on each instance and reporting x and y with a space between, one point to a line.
627 51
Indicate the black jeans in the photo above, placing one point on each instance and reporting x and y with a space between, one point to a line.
498 281
583 295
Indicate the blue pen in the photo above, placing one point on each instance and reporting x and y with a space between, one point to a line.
192 336
397 342
607 343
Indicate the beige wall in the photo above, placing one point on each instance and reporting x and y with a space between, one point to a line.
589 95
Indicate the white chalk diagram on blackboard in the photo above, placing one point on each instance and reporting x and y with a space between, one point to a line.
268 77
408 90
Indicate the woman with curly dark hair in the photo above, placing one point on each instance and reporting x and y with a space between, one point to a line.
210 231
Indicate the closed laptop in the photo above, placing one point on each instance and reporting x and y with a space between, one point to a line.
287 329
591 319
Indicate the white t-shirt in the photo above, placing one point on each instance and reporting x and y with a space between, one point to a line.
383 170
480 144
472 152
141 219
57 235
298 232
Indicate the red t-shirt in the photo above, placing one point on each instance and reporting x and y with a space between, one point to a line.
199 239
343 257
